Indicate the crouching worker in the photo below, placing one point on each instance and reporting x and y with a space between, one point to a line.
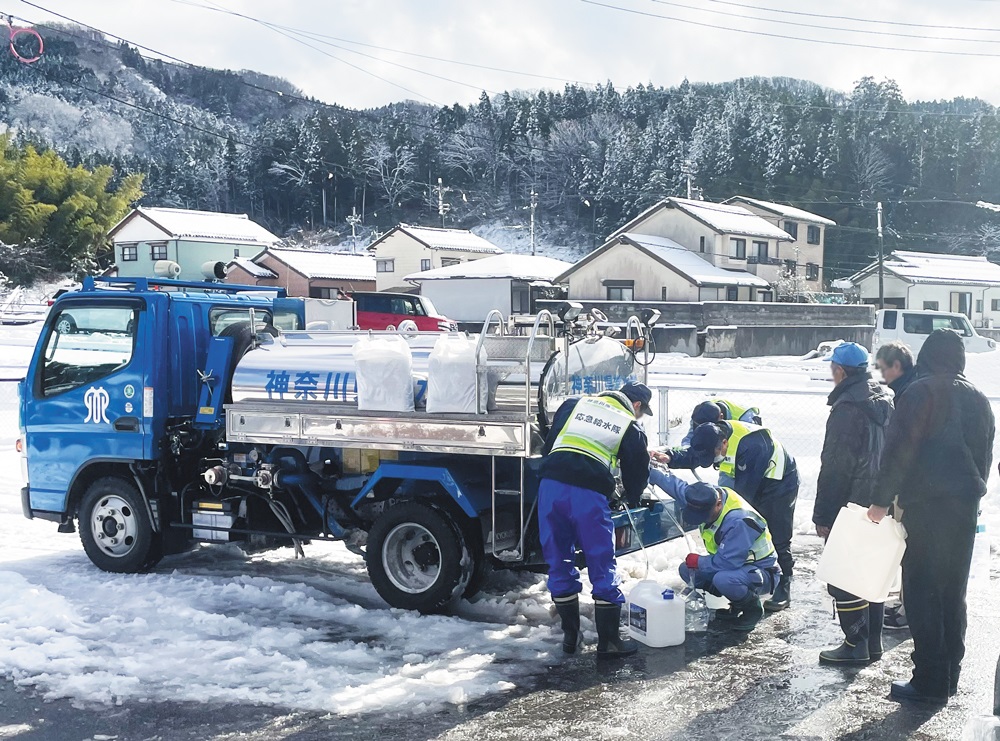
591 439
741 564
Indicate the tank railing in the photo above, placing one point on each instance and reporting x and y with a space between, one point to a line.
482 372
543 314
640 334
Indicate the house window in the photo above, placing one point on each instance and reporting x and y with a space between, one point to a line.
663 293
790 267
520 299
385 266
701 244
323 292
760 249
446 261
130 252
620 290
157 250
979 306
931 305
996 304
792 227
765 296
738 249
425 264
812 271
732 293
812 235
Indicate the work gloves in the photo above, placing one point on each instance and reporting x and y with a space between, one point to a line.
692 561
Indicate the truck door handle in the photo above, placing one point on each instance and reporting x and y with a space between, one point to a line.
127 424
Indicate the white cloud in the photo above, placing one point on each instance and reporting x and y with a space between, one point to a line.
563 38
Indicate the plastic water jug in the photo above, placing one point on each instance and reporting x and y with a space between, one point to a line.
979 574
453 383
655 615
861 557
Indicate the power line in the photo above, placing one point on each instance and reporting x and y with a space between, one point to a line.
787 37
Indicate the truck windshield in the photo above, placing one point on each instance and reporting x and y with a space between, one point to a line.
87 344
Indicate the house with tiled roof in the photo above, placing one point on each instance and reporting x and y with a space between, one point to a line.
316 273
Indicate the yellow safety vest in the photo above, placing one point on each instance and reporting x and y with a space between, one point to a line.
736 412
762 547
596 429
776 466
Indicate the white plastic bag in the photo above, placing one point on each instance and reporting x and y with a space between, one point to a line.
861 557
452 382
385 374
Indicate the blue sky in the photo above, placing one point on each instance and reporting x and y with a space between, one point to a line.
562 40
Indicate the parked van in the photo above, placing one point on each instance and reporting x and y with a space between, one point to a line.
912 327
380 310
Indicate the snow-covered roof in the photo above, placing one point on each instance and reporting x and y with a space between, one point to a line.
929 267
257 271
182 223
678 258
333 265
522 267
459 240
784 210
717 216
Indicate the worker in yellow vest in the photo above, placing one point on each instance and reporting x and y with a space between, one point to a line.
741 564
761 471
720 410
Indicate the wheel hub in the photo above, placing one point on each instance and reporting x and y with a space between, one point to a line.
114 526
411 557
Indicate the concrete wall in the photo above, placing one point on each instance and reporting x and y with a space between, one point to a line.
679 338
743 313
468 299
625 262
757 341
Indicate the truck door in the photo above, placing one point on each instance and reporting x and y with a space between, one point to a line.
87 394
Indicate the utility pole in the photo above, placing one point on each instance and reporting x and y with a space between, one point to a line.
881 258
687 170
354 220
443 207
534 205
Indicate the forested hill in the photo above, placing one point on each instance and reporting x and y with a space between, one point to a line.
596 156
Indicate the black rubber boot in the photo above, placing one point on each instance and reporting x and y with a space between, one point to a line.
782 596
876 611
569 613
750 613
610 644
853 616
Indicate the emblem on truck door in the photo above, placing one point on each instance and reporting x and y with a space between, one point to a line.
97 401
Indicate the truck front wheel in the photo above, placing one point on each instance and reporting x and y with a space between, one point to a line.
115 528
418 559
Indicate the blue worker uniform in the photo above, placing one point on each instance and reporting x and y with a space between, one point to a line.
730 572
573 504
751 415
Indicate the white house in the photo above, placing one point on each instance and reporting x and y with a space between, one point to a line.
468 291
189 238
640 267
804 255
727 236
963 284
406 249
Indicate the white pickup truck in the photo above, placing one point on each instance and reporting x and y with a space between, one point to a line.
912 326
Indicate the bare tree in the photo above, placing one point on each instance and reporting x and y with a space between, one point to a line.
871 168
391 170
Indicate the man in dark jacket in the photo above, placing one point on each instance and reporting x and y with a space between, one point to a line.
591 438
763 473
937 457
855 433
894 361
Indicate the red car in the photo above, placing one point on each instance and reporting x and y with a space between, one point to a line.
380 310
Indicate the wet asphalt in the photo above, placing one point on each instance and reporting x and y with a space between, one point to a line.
719 685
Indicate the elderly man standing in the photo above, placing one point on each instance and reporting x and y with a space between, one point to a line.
937 457
855 433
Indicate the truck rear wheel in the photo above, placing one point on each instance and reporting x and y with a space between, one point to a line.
115 528
418 559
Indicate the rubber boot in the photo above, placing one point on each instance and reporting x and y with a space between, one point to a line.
876 611
610 644
782 596
853 616
569 613
750 613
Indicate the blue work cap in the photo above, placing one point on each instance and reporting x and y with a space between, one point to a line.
701 499
707 411
849 355
639 392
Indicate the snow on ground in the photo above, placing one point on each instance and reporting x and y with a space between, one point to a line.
216 626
